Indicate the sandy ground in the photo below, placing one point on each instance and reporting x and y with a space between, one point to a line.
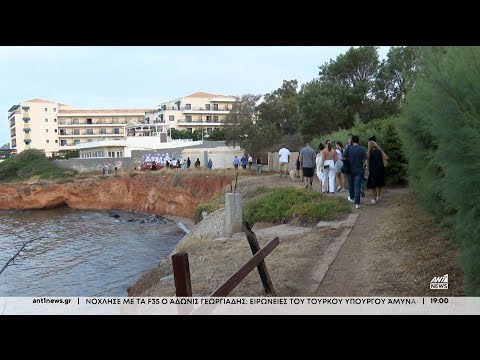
387 249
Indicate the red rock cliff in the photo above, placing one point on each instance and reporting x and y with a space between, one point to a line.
145 192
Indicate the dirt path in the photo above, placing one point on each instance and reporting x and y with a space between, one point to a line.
350 274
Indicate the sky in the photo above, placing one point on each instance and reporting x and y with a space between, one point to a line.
125 77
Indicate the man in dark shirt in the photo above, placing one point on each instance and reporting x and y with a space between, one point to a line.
356 156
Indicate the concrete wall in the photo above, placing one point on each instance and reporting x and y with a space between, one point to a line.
222 158
211 227
95 164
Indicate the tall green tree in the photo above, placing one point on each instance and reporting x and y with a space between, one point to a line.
280 108
351 79
396 77
320 112
240 122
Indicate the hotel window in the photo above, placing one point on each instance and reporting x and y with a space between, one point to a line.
209 131
48 141
56 141
188 106
109 154
45 109
89 140
89 131
171 117
190 130
215 107
207 106
54 109
215 118
54 120
75 122
116 131
46 120
46 130
63 142
76 132
209 118
55 130
189 118
76 141
115 121
89 121
103 131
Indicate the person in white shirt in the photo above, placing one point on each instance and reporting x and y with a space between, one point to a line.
250 162
284 159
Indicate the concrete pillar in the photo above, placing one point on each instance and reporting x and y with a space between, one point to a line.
233 213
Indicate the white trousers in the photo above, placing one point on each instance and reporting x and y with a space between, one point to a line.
329 176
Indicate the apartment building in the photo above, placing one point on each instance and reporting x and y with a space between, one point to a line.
199 111
55 128
84 126
34 125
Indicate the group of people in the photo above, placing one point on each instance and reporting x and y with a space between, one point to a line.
244 160
339 168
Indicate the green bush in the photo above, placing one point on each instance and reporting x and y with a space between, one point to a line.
441 131
29 163
284 204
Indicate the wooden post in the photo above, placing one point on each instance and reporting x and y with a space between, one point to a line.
242 273
181 274
261 267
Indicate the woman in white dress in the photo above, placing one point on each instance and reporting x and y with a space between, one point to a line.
319 164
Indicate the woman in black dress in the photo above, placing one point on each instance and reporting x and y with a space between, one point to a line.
376 170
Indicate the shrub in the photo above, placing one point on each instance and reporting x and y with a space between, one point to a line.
283 204
441 130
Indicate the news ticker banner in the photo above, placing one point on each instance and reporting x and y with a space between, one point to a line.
240 306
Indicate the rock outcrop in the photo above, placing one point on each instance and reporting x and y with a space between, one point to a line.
176 195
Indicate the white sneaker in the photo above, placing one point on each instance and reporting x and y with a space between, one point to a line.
357 206
351 200
373 201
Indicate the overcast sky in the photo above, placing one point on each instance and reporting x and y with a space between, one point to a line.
143 77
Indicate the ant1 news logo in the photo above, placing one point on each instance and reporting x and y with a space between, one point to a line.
439 282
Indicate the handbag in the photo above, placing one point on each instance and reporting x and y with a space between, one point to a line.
346 165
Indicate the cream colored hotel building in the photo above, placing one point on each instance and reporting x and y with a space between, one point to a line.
55 128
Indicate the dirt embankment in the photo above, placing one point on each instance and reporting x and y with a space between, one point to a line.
176 195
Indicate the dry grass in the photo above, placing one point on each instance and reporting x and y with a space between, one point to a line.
212 262
407 250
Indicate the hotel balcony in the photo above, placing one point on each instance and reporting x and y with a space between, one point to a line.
83 124
221 110
184 122
71 134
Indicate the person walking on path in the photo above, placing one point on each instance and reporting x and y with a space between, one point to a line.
259 165
236 162
284 160
189 162
105 169
250 162
329 158
319 164
356 156
307 159
376 170
243 160
340 178
210 164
